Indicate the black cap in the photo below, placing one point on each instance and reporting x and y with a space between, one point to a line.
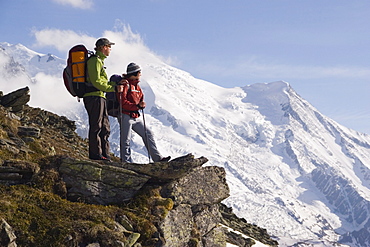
102 42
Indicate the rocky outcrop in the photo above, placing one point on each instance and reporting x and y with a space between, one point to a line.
162 172
17 171
196 197
7 235
237 225
203 185
16 100
114 183
97 183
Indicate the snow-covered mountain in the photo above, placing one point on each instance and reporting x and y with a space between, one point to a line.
33 62
291 170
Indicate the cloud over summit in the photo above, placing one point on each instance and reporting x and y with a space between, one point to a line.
81 4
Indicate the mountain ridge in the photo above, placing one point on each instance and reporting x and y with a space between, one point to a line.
276 149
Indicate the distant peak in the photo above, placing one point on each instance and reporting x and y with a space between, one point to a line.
268 88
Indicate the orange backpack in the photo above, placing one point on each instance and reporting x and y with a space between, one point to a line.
75 73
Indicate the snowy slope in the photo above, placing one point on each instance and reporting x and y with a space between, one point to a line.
291 170
32 61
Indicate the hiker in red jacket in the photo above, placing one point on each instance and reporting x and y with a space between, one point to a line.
132 100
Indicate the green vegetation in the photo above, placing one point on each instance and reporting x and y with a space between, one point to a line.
45 219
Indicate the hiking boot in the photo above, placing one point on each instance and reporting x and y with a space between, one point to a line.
100 157
165 159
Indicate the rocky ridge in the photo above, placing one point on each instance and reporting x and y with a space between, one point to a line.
51 195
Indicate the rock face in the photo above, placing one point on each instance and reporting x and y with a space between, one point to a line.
196 197
7 235
162 172
354 209
16 100
17 172
99 183
203 185
184 208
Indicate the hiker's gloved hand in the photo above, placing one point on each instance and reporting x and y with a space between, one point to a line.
119 88
141 105
121 82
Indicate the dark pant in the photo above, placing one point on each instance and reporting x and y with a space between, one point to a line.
99 130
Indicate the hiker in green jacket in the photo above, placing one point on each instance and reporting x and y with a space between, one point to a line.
95 102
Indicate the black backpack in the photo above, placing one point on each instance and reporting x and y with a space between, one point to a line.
74 74
112 101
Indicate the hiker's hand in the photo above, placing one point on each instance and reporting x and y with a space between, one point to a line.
119 88
121 82
141 105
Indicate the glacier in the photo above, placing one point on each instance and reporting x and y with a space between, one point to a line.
291 170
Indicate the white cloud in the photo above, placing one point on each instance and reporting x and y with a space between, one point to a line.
81 4
129 46
50 93
304 72
52 37
256 69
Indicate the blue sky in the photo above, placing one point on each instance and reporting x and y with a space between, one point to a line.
321 47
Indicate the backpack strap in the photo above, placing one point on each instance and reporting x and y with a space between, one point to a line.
90 87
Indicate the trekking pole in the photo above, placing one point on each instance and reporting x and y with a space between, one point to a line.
146 136
120 121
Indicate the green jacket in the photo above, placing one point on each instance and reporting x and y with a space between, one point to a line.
97 75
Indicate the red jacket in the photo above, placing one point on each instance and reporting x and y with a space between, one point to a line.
131 97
